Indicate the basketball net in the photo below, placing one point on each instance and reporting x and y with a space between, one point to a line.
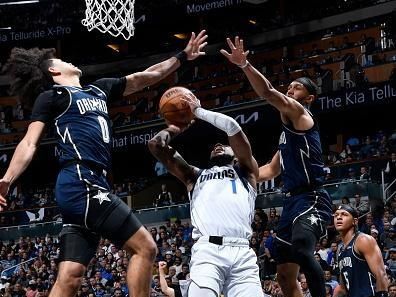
115 17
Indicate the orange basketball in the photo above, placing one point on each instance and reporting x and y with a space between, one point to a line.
173 107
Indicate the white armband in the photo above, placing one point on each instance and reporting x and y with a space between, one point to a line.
219 120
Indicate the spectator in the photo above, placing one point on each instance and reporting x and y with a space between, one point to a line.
267 285
184 258
324 249
154 234
257 224
84 290
345 200
32 289
169 258
346 155
183 274
366 226
361 207
329 290
392 290
178 265
164 198
165 281
18 291
332 258
391 262
329 279
4 283
390 240
323 264
118 293
375 234
172 275
157 284
304 287
364 173
390 168
270 254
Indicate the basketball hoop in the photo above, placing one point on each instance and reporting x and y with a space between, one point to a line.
115 17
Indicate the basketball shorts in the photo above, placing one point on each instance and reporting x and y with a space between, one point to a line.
311 211
229 267
90 211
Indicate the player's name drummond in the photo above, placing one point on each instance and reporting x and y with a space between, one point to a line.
91 104
227 173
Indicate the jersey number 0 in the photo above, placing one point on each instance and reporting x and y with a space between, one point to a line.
105 129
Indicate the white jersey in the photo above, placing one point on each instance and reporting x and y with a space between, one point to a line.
222 204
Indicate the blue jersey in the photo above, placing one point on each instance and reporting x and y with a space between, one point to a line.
84 128
300 158
81 119
355 272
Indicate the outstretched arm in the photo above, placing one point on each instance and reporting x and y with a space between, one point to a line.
270 170
172 160
236 137
22 157
368 247
164 286
157 72
262 86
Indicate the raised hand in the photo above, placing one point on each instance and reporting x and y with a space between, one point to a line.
238 55
195 45
162 265
4 187
192 101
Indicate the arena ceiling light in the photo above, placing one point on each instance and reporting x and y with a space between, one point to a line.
114 47
181 36
19 2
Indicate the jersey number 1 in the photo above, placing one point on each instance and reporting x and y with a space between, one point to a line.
105 129
233 185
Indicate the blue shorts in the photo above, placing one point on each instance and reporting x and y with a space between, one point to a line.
76 187
89 211
312 210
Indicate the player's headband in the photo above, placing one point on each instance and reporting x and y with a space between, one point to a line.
349 209
308 84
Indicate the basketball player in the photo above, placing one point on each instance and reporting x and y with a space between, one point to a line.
222 207
307 206
360 261
82 192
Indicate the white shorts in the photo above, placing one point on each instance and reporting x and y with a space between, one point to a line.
230 268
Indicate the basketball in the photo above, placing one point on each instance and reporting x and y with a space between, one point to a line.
173 107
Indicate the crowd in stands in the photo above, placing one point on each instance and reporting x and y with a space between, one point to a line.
37 204
29 266
106 273
379 145
354 160
224 85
